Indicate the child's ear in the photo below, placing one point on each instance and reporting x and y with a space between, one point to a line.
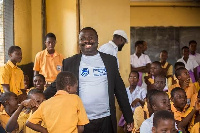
154 108
68 88
179 77
153 129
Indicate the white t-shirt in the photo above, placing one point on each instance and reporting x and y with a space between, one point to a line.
137 93
195 57
143 60
93 86
110 48
147 125
190 65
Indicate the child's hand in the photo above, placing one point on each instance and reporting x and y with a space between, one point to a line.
133 104
30 103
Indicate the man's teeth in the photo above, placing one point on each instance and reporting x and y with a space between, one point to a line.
88 46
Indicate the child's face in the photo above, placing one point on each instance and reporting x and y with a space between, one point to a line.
16 56
73 89
139 49
133 79
193 47
13 102
39 98
186 52
184 75
165 126
163 56
26 81
162 102
38 83
50 43
179 99
159 83
155 69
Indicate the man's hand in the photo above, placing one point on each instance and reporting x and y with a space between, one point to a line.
30 103
133 104
129 127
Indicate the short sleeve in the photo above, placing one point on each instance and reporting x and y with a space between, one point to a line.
147 59
5 75
37 62
22 121
195 64
170 70
145 127
138 117
22 82
37 117
82 116
143 93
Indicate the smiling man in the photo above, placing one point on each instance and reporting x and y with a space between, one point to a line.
48 62
99 82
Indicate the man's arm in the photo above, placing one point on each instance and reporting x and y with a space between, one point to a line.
36 127
6 87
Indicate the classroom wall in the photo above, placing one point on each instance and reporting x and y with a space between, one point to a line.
23 28
164 14
106 18
61 17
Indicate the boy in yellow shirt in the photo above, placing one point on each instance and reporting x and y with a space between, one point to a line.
18 120
48 62
63 113
12 77
9 101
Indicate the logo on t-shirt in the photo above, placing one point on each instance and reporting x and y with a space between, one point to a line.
99 71
58 68
84 72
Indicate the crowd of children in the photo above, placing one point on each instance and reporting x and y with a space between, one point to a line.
160 101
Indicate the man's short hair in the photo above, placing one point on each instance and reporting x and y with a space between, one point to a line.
192 41
50 35
35 91
12 49
178 71
138 43
134 72
162 115
157 63
6 96
184 47
153 97
179 64
41 76
175 90
64 79
90 28
164 51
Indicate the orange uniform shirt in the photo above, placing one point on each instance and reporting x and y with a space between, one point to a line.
12 75
48 65
61 113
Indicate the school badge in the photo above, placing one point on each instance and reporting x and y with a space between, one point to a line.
84 72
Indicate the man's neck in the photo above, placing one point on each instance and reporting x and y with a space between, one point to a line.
163 62
132 88
138 54
193 52
14 62
185 59
51 51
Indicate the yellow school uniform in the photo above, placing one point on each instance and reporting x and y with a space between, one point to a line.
179 115
12 75
193 100
139 117
23 117
70 114
48 65
195 128
169 72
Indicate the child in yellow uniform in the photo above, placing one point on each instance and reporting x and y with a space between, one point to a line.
11 76
10 103
63 113
163 121
18 120
182 112
183 76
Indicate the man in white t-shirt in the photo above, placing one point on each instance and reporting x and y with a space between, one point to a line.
112 47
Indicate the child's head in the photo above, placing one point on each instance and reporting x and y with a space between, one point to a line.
185 51
192 45
133 78
182 74
15 54
179 98
178 65
50 41
36 95
155 68
163 55
39 82
9 100
67 81
159 100
26 81
163 121
159 82
139 47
